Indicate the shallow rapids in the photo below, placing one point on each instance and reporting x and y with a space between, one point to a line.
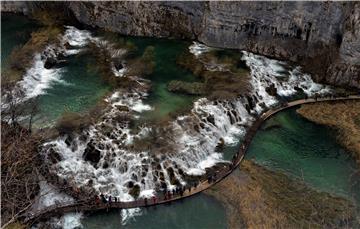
117 169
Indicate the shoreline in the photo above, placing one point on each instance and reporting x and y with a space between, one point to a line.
342 116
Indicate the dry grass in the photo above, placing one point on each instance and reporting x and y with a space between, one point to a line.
141 66
343 116
258 198
161 139
15 225
228 82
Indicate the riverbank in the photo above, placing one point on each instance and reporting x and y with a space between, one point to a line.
344 116
257 197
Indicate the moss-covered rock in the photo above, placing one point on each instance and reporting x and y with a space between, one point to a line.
135 191
194 88
223 76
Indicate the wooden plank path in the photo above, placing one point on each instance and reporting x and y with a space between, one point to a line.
89 204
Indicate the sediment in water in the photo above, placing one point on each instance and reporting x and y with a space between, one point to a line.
256 197
342 116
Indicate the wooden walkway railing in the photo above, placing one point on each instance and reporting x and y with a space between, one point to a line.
90 204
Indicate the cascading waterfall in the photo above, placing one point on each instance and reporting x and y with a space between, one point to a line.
114 168
38 78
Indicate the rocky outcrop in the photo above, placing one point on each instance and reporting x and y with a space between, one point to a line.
322 36
193 88
92 154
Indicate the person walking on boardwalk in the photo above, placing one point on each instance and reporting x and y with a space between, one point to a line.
110 200
97 200
145 201
103 199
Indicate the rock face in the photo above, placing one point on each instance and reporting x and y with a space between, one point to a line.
322 36
92 154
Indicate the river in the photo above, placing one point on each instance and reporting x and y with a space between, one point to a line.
286 142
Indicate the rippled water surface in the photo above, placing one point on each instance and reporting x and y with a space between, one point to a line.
307 151
199 211
286 142
80 87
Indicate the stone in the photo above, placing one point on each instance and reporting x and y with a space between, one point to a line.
135 191
319 33
194 88
118 66
91 153
211 119
54 156
50 62
220 146
105 165
271 90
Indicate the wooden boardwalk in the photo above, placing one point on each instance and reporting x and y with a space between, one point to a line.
90 204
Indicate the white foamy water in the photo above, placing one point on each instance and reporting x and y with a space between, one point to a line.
195 136
50 196
197 48
37 79
67 221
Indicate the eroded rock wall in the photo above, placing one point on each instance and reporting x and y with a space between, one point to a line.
322 36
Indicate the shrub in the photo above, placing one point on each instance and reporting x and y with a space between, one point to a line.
72 122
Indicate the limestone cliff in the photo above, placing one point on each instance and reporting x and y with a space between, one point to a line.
322 36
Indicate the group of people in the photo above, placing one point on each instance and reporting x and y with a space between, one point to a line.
105 199
167 195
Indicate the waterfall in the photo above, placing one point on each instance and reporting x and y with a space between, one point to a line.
195 135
